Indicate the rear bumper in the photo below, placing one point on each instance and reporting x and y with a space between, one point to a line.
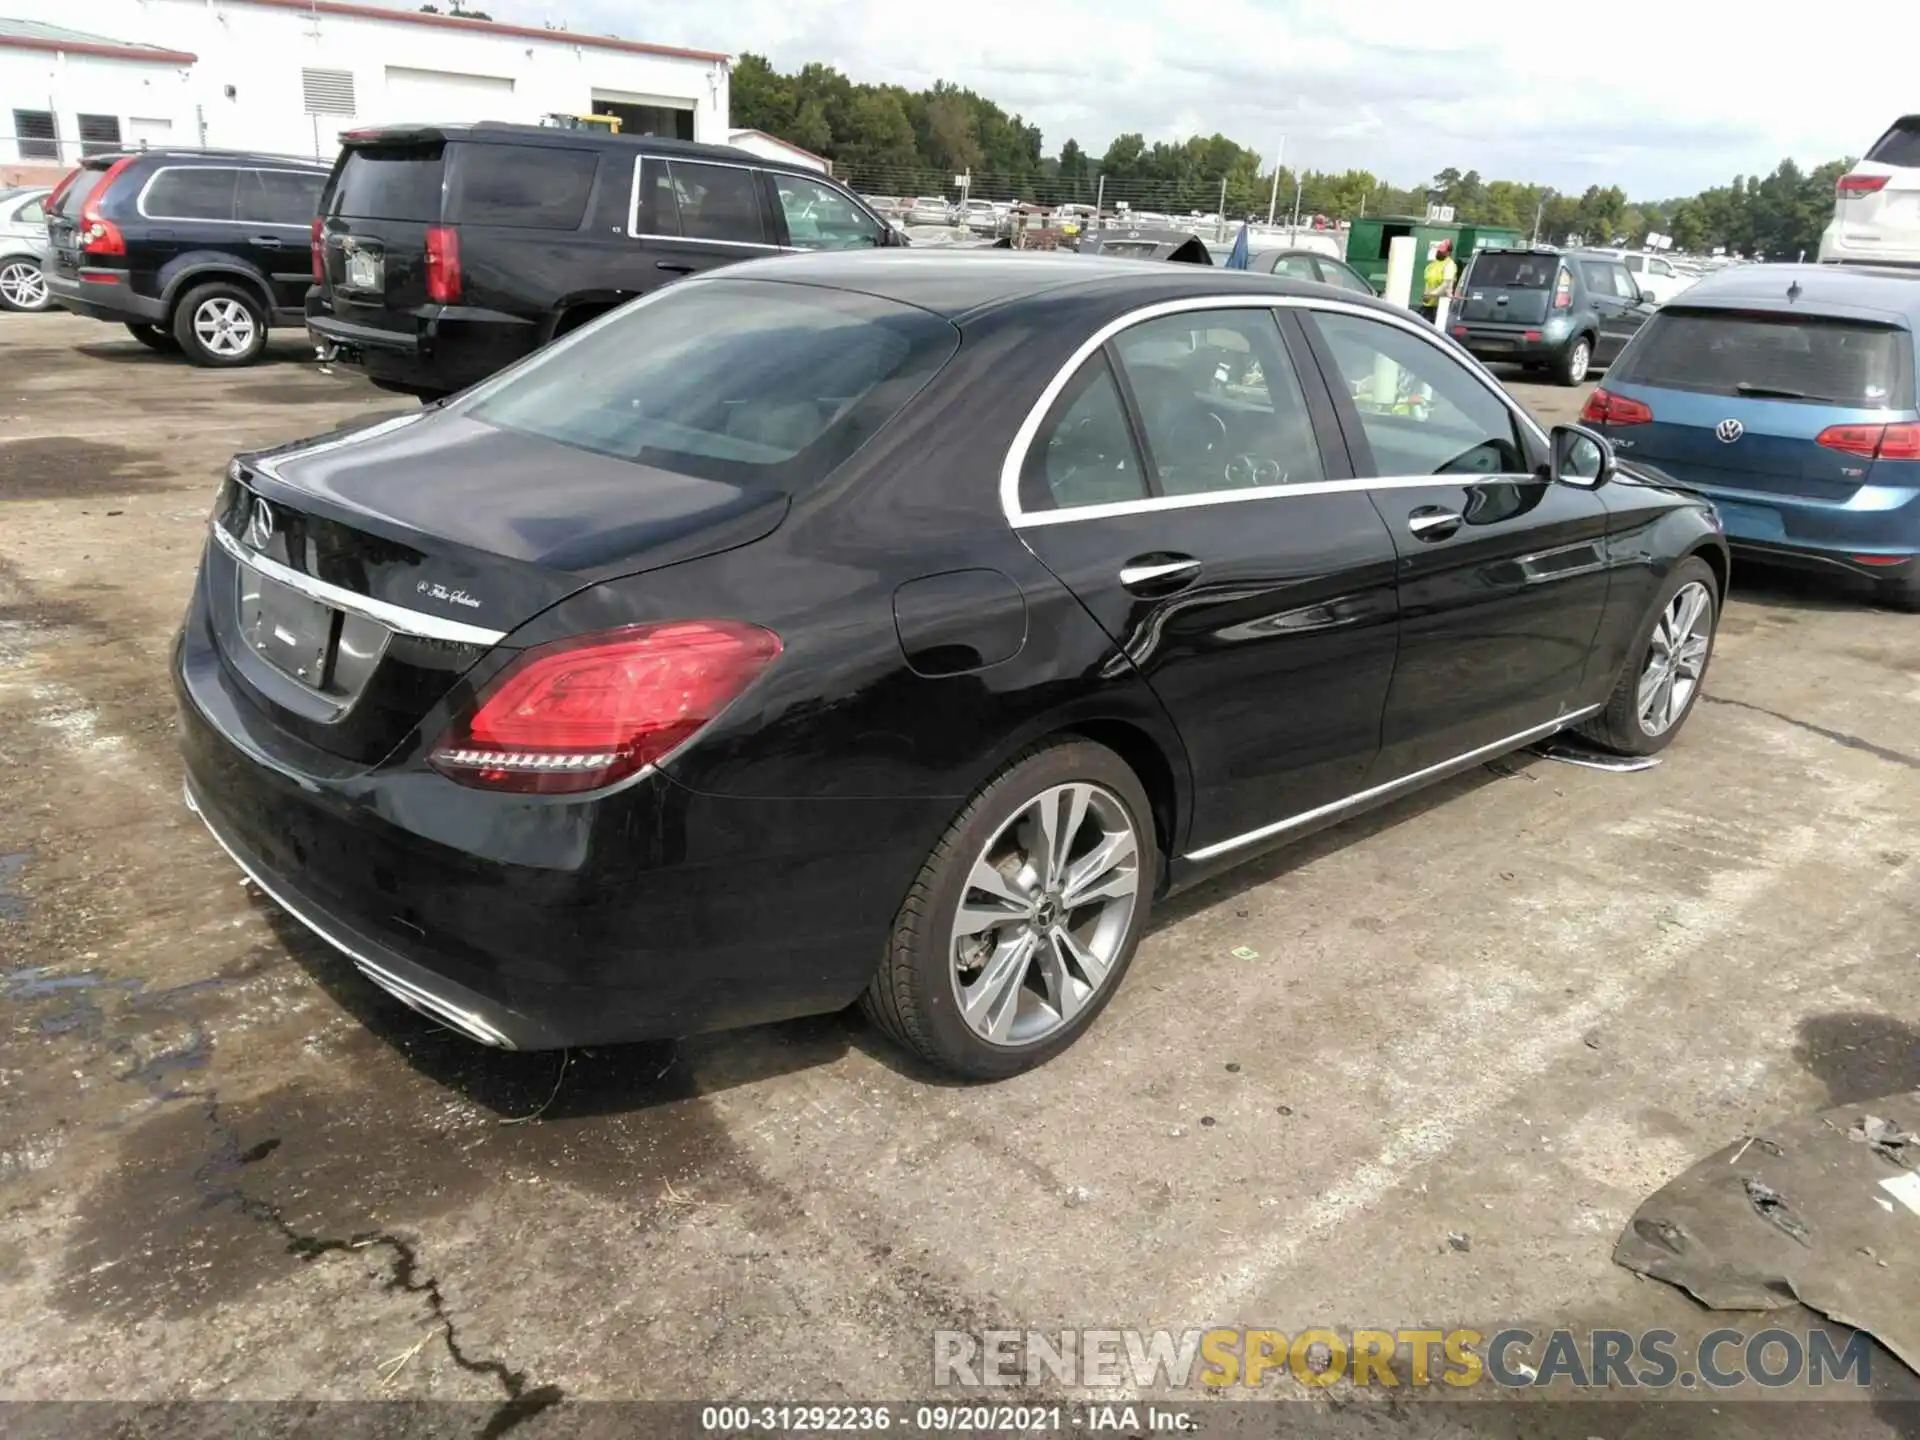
545 921
1506 342
1824 535
1853 245
447 347
104 295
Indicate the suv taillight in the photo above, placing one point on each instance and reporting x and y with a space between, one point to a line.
1848 186
99 235
1874 442
585 713
443 264
319 254
1603 407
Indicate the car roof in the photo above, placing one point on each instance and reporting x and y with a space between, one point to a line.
1857 290
956 284
500 132
176 154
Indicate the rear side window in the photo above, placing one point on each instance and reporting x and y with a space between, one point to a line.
278 197
734 380
521 186
1900 145
1783 357
197 192
718 202
1084 454
390 182
1501 271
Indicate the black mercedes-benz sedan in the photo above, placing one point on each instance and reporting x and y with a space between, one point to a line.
898 627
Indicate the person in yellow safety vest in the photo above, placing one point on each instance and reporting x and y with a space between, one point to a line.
1440 274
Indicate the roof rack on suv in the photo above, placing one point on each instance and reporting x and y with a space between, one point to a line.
401 134
106 158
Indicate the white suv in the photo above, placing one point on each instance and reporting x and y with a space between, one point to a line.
1876 208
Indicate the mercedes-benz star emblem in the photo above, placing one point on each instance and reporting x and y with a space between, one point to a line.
1729 431
260 525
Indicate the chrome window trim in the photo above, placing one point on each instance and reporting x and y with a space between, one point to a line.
396 618
633 208
1379 792
140 200
1023 439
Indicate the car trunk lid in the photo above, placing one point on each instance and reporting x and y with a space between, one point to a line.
1740 399
357 577
1512 287
383 197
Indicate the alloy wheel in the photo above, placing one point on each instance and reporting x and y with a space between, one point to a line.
23 286
224 326
1045 914
1578 361
1676 659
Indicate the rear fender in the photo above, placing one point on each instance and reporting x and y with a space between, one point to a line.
182 273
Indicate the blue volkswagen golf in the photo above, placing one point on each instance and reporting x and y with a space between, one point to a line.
1786 393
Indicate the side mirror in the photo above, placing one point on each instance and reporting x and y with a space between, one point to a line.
1647 296
1580 457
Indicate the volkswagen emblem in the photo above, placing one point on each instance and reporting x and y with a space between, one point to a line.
260 525
1729 431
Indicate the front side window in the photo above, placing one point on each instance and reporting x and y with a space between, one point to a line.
1220 407
656 209
1422 411
717 202
741 381
821 218
1084 453
201 192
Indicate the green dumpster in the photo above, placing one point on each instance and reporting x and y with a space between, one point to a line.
1369 240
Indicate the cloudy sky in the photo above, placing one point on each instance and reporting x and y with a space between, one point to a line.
1662 99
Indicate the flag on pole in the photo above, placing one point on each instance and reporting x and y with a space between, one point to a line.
1237 258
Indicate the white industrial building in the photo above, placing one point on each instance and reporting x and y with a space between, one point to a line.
288 75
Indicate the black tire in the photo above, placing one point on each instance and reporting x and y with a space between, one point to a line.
1900 594
1618 727
200 351
912 995
155 337
1572 364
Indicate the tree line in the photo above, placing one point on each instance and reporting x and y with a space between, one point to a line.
887 139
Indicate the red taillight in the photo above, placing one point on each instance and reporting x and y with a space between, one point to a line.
1563 292
1850 185
1880 559
1460 330
586 713
98 235
1603 407
1874 442
443 264
1529 334
319 257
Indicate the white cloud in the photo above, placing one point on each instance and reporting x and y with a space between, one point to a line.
1662 99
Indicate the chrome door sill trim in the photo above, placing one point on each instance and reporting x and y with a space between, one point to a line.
1378 792
395 617
405 991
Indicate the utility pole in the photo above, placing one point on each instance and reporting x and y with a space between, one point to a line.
1273 198
1220 223
1298 181
1099 198
1538 211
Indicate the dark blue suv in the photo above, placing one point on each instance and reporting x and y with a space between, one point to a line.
1786 394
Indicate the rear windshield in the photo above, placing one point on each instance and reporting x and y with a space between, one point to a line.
1784 357
84 184
389 182
1506 271
1900 145
522 186
744 381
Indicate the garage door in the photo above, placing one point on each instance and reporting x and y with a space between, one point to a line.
447 96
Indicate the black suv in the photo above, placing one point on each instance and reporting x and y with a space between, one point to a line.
1563 310
445 252
192 250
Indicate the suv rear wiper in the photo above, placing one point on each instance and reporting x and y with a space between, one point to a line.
1777 392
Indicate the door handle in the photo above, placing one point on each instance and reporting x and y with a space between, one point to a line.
1430 522
267 242
674 266
1159 574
